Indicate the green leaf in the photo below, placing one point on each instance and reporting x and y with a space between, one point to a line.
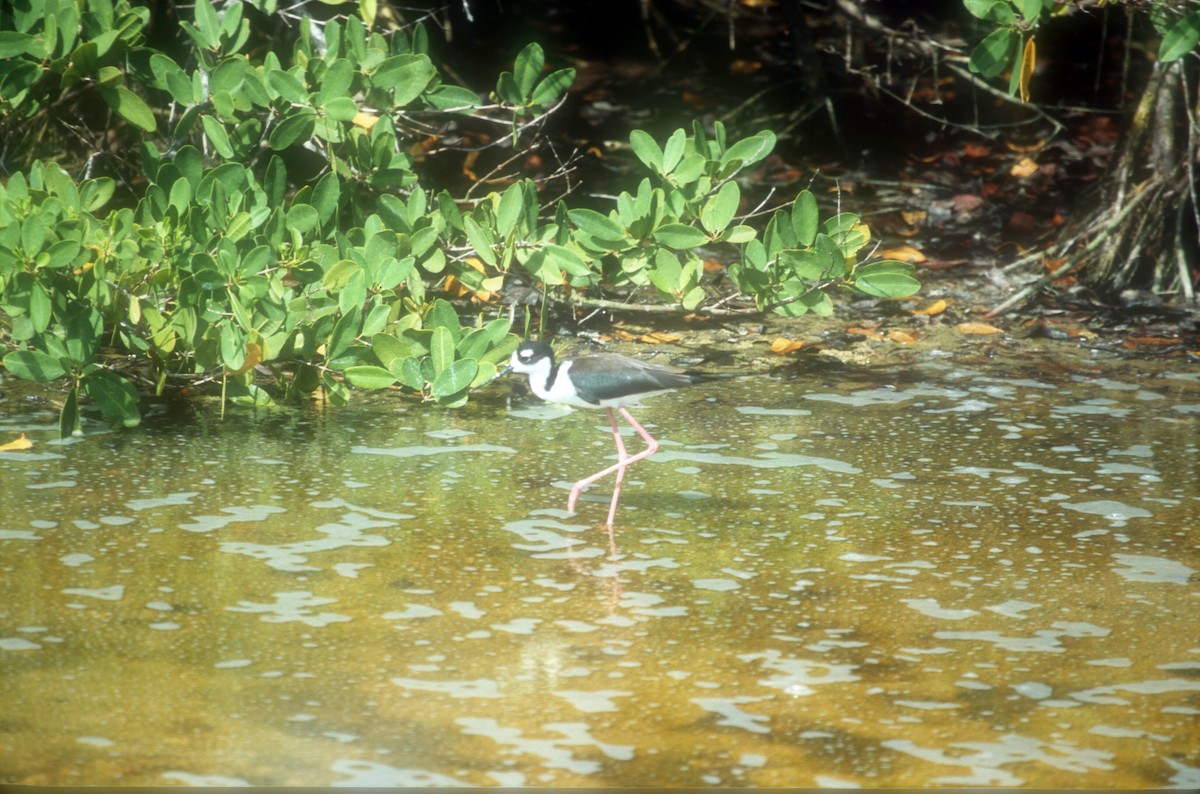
408 75
325 197
527 68
129 106
335 83
441 348
452 97
673 151
511 205
749 150
1181 38
335 390
68 417
207 25
1030 9
679 236
344 334
599 226
288 86
552 86
366 376
171 77
995 53
341 108
454 378
646 149
689 170
886 279
720 208
116 397
13 44
296 126
979 8
33 365
805 218
480 239
215 131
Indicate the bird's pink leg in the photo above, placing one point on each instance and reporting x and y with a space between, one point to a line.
623 461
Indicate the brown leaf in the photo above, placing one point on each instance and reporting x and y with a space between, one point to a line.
976 150
903 337
869 333
965 202
743 68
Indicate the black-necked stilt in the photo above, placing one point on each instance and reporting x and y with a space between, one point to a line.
599 380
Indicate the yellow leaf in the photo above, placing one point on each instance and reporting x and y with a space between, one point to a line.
913 217
364 120
937 307
904 253
254 357
1028 62
978 328
903 337
658 338
782 345
1024 167
19 444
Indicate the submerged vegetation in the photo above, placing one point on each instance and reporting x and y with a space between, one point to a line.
281 224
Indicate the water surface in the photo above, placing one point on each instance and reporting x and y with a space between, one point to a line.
936 575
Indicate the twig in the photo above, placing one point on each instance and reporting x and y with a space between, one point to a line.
1108 225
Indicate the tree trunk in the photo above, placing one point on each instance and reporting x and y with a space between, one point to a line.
1155 247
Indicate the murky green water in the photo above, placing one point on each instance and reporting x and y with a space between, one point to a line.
969 577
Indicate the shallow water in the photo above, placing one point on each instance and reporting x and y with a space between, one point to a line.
936 575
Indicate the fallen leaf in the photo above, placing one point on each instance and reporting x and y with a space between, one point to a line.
965 202
914 217
19 444
658 338
937 307
1023 168
1022 222
978 328
743 68
905 253
976 150
782 345
1019 149
903 337
869 333
713 265
1150 341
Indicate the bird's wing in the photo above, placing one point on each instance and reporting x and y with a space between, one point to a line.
608 376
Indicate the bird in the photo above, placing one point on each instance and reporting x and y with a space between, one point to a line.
600 380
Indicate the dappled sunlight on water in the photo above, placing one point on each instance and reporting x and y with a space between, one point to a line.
970 578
